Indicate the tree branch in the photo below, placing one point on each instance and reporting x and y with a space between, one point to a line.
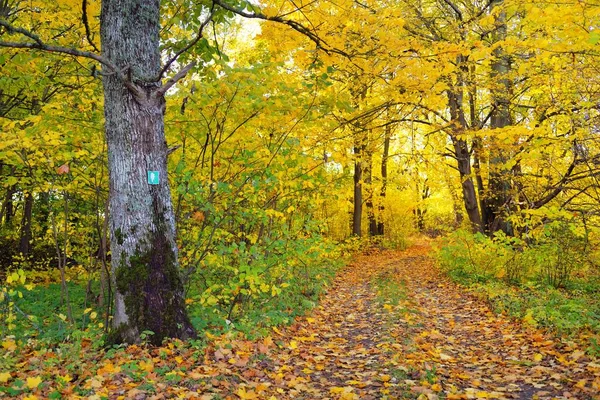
455 9
88 33
320 43
189 45
11 29
176 78
38 44
559 187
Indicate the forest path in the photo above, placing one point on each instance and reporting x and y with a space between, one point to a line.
392 326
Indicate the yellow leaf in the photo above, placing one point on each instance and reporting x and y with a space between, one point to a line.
529 319
33 383
30 397
87 310
277 331
4 377
146 366
9 345
93 315
538 357
243 394
344 393
293 344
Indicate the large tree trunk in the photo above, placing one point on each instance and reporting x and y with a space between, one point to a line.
149 292
7 210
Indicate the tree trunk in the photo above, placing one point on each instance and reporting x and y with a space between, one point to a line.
384 178
369 186
358 198
7 211
149 293
43 212
458 215
25 236
463 158
477 154
497 197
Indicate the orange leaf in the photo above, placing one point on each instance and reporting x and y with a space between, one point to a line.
63 169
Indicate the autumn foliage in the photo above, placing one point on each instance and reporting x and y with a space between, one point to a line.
371 199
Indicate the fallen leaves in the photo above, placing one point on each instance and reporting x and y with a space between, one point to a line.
33 382
4 377
426 339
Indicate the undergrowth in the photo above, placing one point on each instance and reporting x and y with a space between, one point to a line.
247 302
550 281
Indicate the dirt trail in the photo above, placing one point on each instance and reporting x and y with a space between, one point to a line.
435 342
478 354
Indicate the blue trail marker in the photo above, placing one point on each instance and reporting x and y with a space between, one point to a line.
153 177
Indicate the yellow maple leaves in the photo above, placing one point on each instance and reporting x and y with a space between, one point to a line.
9 344
5 377
33 382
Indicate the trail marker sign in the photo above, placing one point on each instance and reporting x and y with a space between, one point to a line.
153 177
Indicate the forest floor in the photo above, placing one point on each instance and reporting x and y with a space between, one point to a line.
391 326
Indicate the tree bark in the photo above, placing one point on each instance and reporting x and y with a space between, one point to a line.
149 292
358 198
368 167
498 195
25 236
463 158
7 211
384 179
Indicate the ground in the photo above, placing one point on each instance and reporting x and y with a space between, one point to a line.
391 326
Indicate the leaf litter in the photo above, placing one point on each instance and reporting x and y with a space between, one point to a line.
391 326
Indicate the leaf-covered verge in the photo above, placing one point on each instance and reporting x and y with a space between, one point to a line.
46 355
548 278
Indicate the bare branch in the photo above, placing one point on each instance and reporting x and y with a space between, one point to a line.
10 28
88 33
481 12
122 74
558 188
63 50
176 78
